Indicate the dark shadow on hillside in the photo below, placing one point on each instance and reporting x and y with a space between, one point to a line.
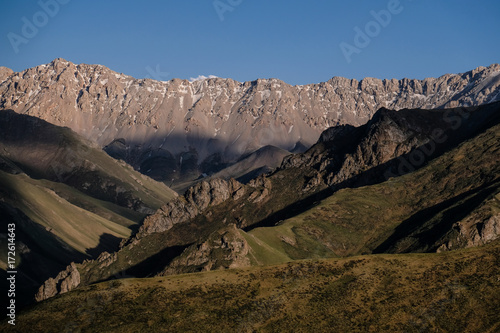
41 253
292 210
156 263
107 242
426 227
150 266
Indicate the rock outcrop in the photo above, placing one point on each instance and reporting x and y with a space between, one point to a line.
65 281
225 248
196 199
480 227
482 232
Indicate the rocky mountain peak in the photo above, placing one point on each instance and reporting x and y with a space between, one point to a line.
5 73
196 200
161 125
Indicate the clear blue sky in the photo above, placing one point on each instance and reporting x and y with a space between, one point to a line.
295 41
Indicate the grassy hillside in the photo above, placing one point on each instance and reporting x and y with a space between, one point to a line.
55 225
78 228
417 212
456 291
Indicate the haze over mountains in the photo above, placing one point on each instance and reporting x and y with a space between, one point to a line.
177 130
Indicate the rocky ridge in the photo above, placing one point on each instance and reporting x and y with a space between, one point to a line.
195 201
169 128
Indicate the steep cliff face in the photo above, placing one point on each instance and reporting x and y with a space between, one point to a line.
167 129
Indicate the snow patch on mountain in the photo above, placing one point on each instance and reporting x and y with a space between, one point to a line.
202 77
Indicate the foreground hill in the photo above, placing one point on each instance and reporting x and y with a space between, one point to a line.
178 129
456 291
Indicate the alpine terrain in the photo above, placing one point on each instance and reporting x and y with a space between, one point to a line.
177 131
339 206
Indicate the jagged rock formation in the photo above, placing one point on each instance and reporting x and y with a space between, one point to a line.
178 129
65 281
225 248
382 147
484 231
479 228
196 200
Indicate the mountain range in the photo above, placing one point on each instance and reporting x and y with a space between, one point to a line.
344 202
177 130
371 205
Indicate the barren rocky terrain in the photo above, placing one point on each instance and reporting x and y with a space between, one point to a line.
177 130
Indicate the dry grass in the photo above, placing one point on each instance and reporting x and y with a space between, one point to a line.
447 292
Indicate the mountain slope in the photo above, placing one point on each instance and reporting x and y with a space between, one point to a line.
300 210
453 202
437 199
69 200
448 292
263 160
45 151
179 129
